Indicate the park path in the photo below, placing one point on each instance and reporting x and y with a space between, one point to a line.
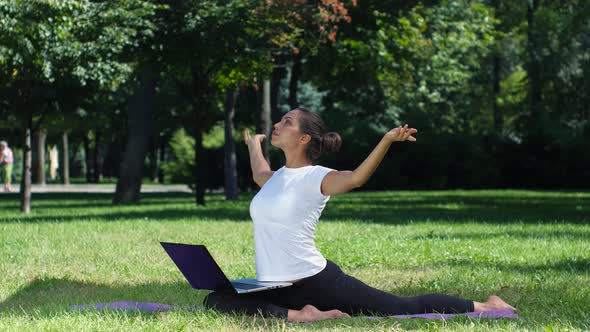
102 188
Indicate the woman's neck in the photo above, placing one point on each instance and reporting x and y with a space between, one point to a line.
297 166
296 160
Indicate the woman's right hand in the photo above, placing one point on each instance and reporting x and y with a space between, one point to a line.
401 134
249 139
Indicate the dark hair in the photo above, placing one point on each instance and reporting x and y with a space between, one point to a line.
311 123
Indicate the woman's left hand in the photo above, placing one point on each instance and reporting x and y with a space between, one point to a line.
401 134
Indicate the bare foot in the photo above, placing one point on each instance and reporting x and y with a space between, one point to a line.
310 313
493 303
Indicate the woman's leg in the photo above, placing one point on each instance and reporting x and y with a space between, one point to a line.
265 303
331 293
336 290
249 303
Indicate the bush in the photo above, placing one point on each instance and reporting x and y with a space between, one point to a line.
180 168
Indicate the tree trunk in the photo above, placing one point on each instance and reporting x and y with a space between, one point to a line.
87 158
534 68
259 97
264 124
229 149
111 159
153 157
97 159
139 114
40 137
496 72
202 101
65 159
498 118
154 164
162 157
25 186
73 170
293 83
278 74
199 167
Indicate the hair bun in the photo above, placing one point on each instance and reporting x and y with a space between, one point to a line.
311 123
330 142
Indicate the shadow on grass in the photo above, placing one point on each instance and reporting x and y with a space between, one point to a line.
92 200
566 265
532 234
46 296
374 207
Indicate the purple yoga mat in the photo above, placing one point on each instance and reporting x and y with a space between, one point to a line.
155 307
503 313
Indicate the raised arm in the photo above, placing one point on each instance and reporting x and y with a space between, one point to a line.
340 182
261 171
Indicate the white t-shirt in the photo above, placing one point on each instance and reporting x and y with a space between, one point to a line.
285 212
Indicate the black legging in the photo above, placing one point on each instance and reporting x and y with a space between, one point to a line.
333 289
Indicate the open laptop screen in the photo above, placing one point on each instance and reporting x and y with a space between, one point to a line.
197 265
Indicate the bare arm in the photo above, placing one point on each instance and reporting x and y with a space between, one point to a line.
261 171
340 182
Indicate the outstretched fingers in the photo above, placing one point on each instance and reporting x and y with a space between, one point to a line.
399 133
406 134
402 133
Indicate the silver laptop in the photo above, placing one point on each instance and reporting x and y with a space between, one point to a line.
202 272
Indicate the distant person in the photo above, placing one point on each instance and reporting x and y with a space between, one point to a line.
6 160
286 211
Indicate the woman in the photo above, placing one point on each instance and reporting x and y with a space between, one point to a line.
6 160
285 213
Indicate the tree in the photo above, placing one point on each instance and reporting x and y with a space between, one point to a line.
229 160
210 48
48 43
139 114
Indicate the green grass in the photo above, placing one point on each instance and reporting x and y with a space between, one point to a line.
532 248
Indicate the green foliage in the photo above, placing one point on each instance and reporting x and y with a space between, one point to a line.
308 95
559 52
431 56
215 138
180 168
63 60
76 40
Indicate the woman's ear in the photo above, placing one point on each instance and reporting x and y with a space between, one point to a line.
305 139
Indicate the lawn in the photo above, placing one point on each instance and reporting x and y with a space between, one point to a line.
532 248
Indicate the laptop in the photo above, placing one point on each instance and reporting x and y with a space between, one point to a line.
202 272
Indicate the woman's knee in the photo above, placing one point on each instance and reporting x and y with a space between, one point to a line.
217 299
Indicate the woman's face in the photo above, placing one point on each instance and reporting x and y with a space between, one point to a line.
286 133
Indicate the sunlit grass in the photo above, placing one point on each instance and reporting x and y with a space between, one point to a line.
532 248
